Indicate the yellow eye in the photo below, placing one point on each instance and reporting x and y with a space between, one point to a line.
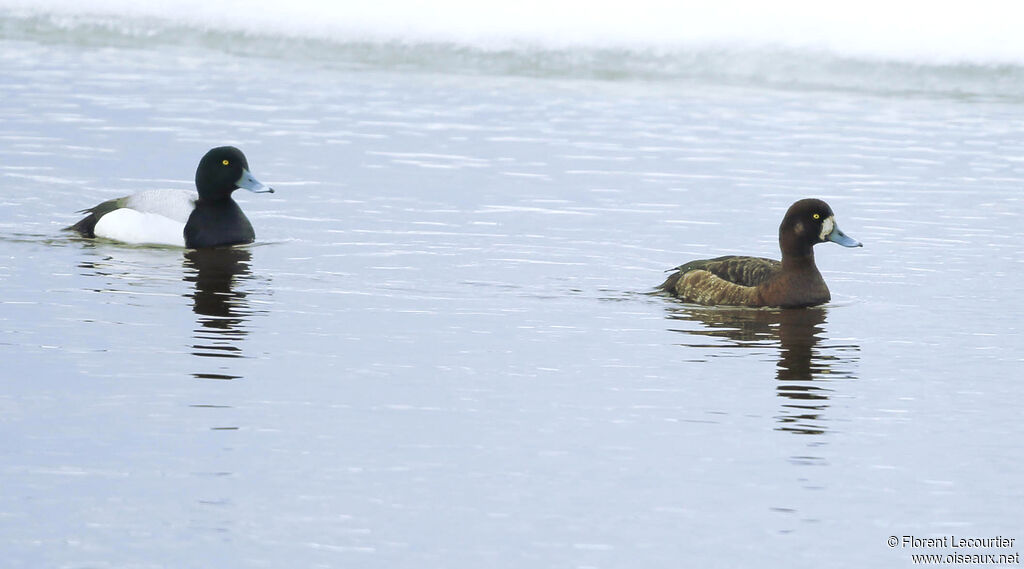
225 162
815 216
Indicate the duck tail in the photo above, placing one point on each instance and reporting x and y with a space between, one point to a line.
669 285
86 227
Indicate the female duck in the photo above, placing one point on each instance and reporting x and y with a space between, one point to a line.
755 281
209 218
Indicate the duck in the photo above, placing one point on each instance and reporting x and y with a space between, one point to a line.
792 282
207 217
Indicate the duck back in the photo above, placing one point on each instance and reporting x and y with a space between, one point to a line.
743 271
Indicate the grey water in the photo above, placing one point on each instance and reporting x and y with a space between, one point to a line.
442 350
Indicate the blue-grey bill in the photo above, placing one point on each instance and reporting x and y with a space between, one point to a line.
249 182
838 236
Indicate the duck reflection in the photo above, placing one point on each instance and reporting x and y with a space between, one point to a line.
222 311
806 359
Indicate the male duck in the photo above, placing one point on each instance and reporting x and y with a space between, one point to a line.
183 218
755 281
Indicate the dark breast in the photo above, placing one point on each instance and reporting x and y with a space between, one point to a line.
217 225
792 289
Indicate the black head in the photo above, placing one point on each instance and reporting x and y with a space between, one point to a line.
807 223
223 170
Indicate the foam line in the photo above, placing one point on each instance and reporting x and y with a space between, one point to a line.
909 31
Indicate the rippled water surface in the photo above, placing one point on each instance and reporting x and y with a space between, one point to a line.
442 350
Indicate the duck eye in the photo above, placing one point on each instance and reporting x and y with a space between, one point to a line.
225 162
815 216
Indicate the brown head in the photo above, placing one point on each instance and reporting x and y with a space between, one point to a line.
809 222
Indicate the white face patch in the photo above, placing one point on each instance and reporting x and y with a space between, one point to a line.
826 228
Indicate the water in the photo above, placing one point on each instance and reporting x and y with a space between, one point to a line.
441 351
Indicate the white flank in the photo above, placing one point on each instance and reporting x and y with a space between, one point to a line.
131 226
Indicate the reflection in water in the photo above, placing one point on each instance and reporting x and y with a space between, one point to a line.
806 359
222 311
